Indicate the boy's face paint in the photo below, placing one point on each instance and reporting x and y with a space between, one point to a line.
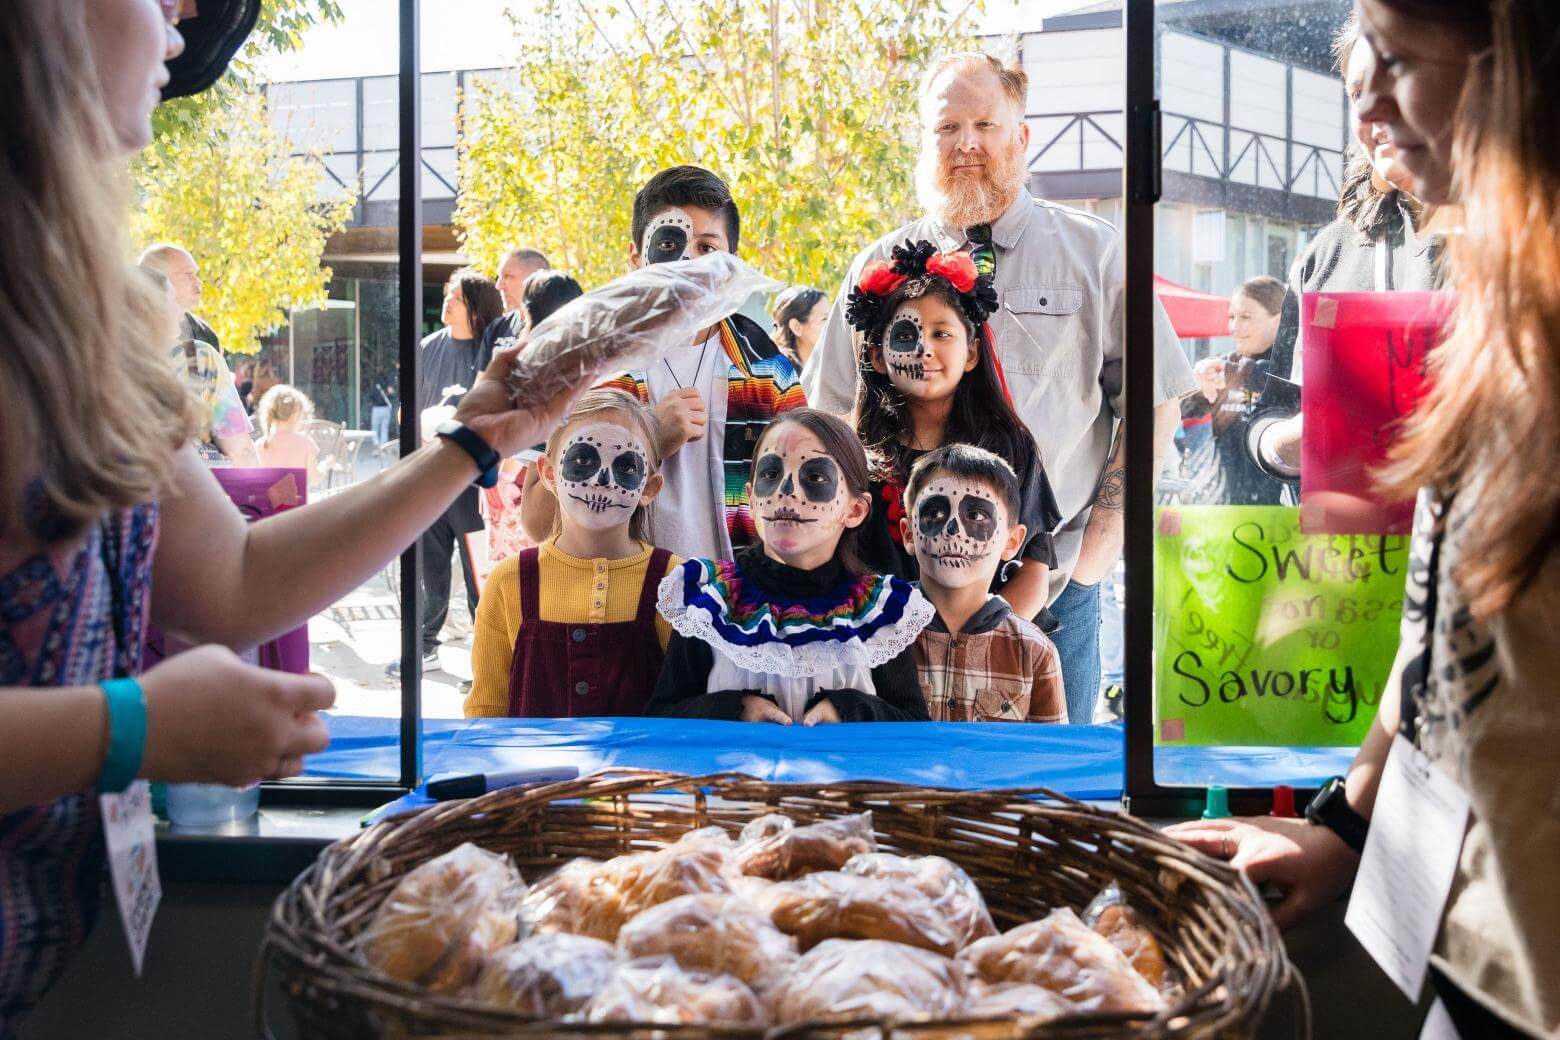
926 350
799 496
668 237
602 470
960 532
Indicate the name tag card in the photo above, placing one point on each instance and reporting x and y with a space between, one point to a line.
1416 836
132 862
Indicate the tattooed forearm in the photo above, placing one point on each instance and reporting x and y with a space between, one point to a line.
1112 491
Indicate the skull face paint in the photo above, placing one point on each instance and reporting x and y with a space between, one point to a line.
668 237
799 497
904 347
602 471
960 529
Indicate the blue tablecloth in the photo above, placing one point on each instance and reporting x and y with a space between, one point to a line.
1081 761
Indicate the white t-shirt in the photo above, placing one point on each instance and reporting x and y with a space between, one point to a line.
690 513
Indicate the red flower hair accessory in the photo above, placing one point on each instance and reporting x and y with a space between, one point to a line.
879 278
958 268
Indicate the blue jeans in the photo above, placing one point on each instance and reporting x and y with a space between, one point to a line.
1077 639
1112 644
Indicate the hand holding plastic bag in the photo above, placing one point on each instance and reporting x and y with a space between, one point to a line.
630 323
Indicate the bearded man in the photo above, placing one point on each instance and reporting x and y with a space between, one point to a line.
1058 330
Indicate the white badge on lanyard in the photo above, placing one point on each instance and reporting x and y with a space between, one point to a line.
132 860
1416 836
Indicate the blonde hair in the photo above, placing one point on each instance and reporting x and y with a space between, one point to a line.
1491 421
1013 78
282 403
89 407
626 411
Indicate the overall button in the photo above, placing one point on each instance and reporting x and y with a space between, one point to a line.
579 635
581 688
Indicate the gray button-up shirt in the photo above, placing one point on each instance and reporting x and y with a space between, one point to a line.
1061 282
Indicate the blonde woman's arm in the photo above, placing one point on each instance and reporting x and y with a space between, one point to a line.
219 580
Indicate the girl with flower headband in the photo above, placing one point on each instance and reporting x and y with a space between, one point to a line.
930 377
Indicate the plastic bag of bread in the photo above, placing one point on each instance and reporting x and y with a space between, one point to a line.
586 897
1112 917
657 989
774 847
630 322
832 905
839 979
1015 1000
712 932
942 881
444 918
548 976
1067 957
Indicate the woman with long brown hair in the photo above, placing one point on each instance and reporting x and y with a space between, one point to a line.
100 491
1466 92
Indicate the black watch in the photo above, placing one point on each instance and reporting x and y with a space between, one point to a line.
1330 808
472 444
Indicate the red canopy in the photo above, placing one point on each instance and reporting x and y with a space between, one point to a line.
1194 314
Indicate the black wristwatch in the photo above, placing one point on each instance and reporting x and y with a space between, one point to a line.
1331 809
472 444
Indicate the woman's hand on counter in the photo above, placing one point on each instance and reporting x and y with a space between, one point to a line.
1309 863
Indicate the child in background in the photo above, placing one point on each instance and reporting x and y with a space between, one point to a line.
282 412
928 379
569 628
795 629
979 661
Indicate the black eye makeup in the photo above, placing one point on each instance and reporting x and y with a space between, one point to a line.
628 470
979 517
767 475
667 238
580 463
820 480
932 514
904 335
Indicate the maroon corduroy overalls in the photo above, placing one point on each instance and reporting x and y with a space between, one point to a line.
571 670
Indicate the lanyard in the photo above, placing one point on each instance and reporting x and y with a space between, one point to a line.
1416 674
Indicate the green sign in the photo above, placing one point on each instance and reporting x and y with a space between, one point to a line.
1266 636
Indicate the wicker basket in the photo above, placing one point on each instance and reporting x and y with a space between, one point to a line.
1027 856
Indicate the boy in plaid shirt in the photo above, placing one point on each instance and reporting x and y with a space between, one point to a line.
979 662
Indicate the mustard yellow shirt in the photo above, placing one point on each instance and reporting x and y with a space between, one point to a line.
572 591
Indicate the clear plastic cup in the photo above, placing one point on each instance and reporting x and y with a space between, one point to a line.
211 805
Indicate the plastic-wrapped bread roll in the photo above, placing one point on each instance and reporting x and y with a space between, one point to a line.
1015 1000
721 933
831 905
656 989
439 925
596 899
773 847
839 980
942 881
630 322
548 976
1065 956
1112 917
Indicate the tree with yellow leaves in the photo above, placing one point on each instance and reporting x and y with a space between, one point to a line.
807 108
229 190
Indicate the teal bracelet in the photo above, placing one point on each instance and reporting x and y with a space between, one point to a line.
126 734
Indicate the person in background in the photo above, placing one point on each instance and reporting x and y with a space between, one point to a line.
795 629
1465 91
281 413
244 382
978 661
181 269
518 265
99 488
544 293
449 359
712 397
1228 391
223 431
1382 240
800 312
569 628
1058 274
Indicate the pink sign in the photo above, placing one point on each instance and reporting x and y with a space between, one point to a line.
1365 362
258 493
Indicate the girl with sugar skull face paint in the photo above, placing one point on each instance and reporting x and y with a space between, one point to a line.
792 630
569 628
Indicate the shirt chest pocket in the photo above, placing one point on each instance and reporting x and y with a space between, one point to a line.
1041 329
1000 700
